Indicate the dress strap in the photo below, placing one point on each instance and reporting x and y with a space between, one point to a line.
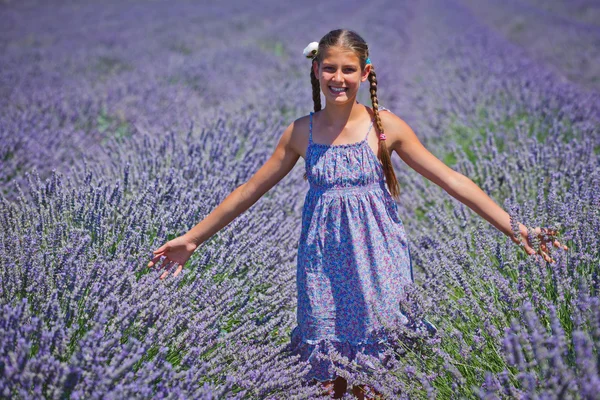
310 129
369 130
381 108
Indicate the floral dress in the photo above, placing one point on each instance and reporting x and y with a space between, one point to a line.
353 257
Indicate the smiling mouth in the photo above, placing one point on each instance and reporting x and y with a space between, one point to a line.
337 90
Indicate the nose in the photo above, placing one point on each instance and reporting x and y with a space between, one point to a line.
337 76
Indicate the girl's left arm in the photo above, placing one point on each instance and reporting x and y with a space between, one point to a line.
412 152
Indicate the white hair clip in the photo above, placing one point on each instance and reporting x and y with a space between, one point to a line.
311 50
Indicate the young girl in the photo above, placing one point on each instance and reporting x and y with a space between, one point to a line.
353 255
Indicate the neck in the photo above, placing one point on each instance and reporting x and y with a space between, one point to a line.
338 115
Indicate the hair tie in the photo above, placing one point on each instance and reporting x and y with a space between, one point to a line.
368 61
311 50
382 136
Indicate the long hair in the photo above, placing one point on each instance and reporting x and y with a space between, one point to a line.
354 42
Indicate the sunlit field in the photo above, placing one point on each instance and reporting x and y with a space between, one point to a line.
124 123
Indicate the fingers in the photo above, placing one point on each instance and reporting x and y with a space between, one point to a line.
170 267
167 265
161 259
154 260
544 253
529 249
547 257
167 269
544 248
157 254
161 248
558 245
179 268
555 243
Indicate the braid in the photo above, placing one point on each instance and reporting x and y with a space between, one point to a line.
316 89
383 154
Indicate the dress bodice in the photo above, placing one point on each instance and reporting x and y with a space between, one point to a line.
342 165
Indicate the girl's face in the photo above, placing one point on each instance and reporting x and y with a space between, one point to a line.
340 75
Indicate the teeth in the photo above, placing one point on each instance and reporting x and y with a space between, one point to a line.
338 89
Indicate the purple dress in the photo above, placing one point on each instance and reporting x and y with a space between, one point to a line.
353 256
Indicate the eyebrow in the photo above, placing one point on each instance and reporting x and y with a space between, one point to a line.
334 65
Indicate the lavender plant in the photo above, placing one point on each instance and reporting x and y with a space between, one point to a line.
118 139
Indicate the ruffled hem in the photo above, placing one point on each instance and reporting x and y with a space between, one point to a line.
317 351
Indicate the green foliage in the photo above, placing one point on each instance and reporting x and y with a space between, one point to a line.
107 65
273 46
120 128
180 48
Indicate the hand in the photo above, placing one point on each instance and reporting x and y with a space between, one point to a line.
526 233
176 252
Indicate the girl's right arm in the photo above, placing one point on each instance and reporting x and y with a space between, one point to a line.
281 162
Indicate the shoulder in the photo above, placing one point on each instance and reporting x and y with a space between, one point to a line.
393 125
295 135
396 129
392 122
296 127
299 127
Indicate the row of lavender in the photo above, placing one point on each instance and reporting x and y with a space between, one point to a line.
531 141
564 35
74 75
81 316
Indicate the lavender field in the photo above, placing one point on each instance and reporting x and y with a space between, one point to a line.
124 123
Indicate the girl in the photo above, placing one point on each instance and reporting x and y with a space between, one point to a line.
353 255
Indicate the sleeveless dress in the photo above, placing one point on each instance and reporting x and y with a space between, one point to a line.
353 257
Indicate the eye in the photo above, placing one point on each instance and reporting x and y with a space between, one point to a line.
347 70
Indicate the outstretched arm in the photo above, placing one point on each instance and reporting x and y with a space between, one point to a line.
411 150
176 252
244 196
